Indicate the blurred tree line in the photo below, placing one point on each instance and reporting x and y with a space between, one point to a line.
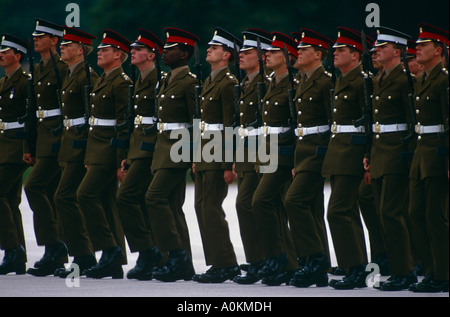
200 17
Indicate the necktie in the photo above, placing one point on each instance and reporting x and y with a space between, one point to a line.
381 78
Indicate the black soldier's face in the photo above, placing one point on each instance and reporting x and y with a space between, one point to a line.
172 56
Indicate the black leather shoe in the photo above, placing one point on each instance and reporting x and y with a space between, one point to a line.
215 275
429 285
110 265
178 267
252 274
273 266
337 271
145 263
13 261
53 253
84 262
398 282
314 271
355 278
278 279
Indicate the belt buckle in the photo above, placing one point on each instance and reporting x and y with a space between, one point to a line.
300 132
161 127
138 120
265 131
334 127
202 126
418 126
2 126
92 120
41 114
242 132
377 128
67 123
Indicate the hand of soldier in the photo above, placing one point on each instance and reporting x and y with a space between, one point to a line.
229 177
28 158
293 172
366 164
193 168
121 172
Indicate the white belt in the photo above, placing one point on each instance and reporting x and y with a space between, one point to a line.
243 132
312 130
73 122
337 128
172 126
266 130
42 114
386 128
102 122
210 126
11 125
425 129
144 120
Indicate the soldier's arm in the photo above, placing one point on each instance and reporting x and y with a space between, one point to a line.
120 92
227 99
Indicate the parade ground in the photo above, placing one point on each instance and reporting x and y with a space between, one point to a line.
30 286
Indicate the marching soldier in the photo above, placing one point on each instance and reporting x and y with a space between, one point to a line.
312 131
75 45
342 162
44 177
253 87
165 196
268 199
13 95
428 205
130 200
97 191
212 178
389 167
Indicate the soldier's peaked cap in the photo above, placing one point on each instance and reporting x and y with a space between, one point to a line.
176 36
280 40
149 40
387 35
431 33
72 35
45 27
351 38
10 41
114 39
411 49
251 41
260 32
223 37
310 37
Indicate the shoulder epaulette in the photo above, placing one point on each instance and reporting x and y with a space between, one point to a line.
27 74
445 71
125 76
328 74
192 75
230 76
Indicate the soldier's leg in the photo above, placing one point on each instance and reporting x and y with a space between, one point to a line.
250 232
75 234
44 174
131 192
216 236
342 222
90 198
11 227
393 196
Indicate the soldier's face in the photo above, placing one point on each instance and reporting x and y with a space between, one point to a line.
106 56
414 66
70 51
426 52
385 53
216 54
141 55
42 43
275 59
307 56
171 55
343 57
8 58
248 59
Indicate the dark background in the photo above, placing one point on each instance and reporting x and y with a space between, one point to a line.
201 17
